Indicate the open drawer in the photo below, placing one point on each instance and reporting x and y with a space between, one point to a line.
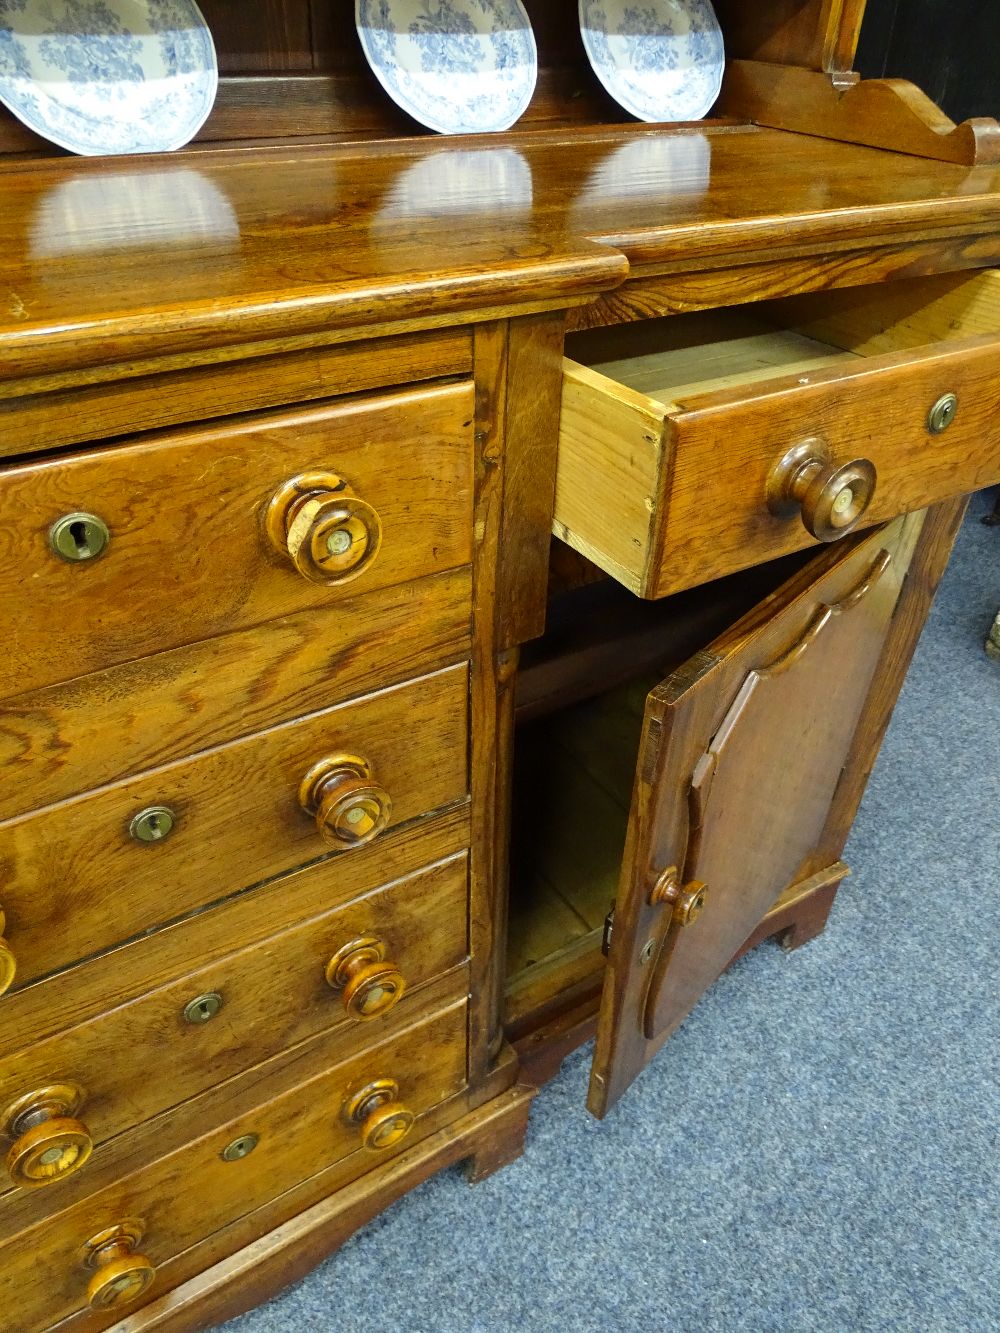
697 445
703 808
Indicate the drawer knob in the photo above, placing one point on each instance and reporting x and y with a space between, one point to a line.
370 986
383 1119
329 534
687 900
830 497
350 809
121 1274
49 1142
8 963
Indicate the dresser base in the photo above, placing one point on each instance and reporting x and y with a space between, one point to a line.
488 1138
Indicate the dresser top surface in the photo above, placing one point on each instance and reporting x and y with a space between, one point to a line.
106 260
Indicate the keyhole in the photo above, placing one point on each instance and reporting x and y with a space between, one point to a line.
203 1008
153 824
79 531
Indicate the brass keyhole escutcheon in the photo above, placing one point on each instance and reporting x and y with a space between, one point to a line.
153 824
78 537
240 1148
203 1008
943 413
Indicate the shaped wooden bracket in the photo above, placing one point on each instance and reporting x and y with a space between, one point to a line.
876 113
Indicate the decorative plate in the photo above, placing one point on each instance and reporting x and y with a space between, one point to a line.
108 76
457 66
659 59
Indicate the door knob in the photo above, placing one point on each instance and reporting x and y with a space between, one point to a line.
329 534
687 900
831 498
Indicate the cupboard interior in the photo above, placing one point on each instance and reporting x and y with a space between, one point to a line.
580 701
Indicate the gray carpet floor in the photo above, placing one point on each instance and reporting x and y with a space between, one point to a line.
817 1148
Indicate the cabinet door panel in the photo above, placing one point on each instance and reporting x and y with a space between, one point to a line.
741 752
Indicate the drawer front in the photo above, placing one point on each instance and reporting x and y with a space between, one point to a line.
70 738
666 496
726 450
348 967
77 877
183 542
185 1196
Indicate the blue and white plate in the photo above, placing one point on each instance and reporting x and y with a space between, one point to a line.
457 66
659 59
108 76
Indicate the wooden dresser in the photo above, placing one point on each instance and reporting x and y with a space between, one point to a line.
323 760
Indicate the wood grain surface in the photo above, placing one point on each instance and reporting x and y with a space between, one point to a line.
65 739
246 1263
185 514
94 988
238 821
44 414
647 415
391 234
754 734
274 995
882 113
190 1193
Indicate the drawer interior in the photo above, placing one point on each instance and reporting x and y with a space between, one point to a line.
677 357
698 444
670 359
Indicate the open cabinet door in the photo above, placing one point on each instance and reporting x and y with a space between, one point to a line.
741 752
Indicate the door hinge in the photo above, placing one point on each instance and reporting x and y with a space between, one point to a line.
609 925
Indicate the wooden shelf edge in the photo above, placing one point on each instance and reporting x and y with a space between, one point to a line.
875 113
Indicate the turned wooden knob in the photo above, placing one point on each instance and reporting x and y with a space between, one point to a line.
329 534
8 963
370 986
49 1142
687 900
121 1275
349 808
383 1119
830 497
